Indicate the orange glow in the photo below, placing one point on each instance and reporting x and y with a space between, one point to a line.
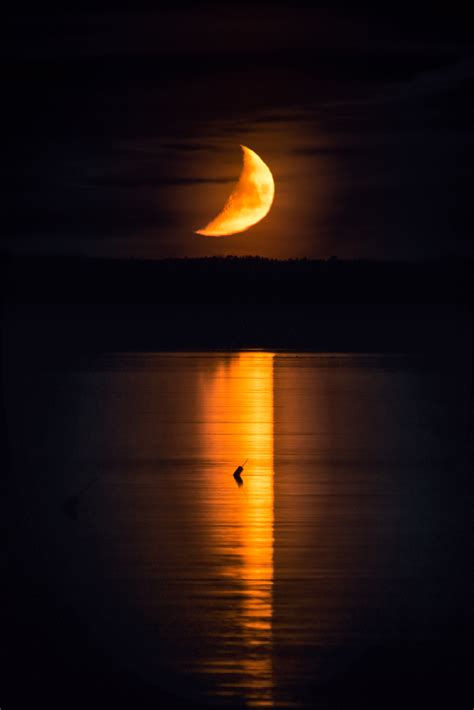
249 202
238 424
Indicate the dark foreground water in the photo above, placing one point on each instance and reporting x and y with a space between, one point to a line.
335 576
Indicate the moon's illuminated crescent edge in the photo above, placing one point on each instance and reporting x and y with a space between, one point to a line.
248 203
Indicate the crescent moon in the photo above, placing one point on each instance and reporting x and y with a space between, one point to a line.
248 203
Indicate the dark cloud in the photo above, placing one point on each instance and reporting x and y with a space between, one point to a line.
137 182
191 147
101 29
330 150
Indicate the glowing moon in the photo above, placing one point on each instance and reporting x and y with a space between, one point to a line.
249 202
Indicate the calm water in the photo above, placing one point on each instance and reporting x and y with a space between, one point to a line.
343 538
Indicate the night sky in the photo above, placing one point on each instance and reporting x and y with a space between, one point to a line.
123 129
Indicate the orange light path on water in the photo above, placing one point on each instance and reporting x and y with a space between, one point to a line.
238 424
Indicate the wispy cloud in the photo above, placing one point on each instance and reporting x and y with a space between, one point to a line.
180 147
330 150
138 182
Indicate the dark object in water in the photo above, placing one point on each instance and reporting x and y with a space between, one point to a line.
237 473
71 503
70 507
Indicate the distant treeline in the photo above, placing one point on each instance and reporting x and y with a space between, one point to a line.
237 280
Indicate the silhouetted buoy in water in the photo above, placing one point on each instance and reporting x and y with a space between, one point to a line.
71 503
237 473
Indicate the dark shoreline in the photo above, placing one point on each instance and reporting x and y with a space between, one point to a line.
81 305
234 280
81 328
